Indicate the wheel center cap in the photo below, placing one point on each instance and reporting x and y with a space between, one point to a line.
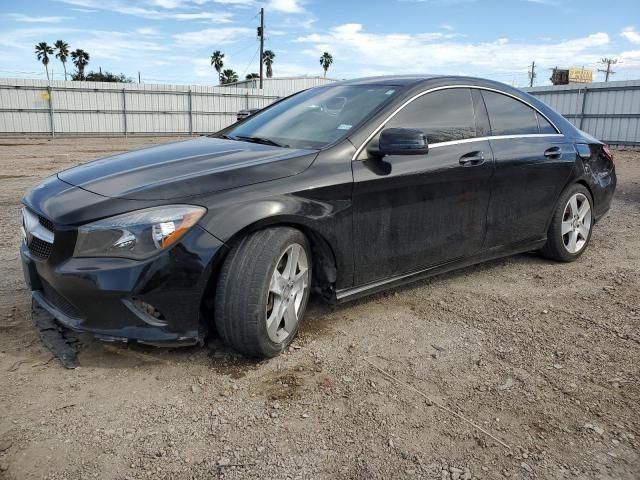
287 289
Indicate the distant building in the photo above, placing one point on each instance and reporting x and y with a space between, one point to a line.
566 76
282 84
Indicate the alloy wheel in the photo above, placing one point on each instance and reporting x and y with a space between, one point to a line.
287 289
576 223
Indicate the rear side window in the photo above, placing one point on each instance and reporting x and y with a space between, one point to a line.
544 125
444 115
508 116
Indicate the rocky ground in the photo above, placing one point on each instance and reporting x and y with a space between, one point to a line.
518 368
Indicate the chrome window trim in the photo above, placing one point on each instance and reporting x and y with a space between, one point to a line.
495 137
466 140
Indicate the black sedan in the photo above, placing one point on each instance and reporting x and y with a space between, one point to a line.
343 189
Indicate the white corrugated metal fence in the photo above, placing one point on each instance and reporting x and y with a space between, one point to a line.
610 111
34 107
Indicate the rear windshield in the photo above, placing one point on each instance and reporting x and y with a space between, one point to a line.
314 118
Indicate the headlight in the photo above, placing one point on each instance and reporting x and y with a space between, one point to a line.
138 234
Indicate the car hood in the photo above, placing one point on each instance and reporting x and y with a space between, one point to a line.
188 168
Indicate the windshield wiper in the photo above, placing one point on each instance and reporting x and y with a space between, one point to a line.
262 140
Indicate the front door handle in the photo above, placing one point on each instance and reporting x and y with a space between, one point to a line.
553 152
472 159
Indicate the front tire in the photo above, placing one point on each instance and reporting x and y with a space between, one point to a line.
571 225
263 291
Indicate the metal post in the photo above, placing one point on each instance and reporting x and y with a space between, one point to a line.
261 42
584 101
246 100
49 93
190 114
124 111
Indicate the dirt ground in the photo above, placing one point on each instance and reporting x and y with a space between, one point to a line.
544 357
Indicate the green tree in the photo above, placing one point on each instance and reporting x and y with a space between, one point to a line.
267 59
43 50
80 60
106 77
63 54
251 76
228 76
325 61
218 63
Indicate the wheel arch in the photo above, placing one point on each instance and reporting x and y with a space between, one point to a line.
325 269
584 183
323 253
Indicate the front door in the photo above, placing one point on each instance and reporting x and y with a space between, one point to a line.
417 211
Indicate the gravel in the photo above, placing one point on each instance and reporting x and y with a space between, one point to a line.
543 356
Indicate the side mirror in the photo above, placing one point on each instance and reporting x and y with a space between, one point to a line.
403 141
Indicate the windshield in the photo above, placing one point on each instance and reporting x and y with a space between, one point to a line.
313 118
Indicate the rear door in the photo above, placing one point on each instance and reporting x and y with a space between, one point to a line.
415 211
533 161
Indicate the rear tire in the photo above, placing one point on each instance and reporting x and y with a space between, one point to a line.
571 225
263 291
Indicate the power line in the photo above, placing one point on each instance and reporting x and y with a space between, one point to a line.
250 62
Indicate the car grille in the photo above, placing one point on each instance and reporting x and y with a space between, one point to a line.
36 228
46 223
58 301
40 248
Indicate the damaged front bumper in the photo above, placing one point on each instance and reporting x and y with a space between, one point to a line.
156 301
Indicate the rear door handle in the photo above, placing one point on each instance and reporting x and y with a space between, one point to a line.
553 152
471 159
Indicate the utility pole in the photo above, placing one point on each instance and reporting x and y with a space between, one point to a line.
532 73
139 77
608 62
261 35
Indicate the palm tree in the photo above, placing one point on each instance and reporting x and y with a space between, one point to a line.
326 60
267 59
63 54
80 60
43 50
228 76
218 64
251 76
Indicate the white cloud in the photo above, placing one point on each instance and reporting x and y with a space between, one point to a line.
147 31
19 17
439 52
212 36
629 60
286 6
631 35
126 8
282 6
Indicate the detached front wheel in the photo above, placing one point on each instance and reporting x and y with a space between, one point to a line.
263 291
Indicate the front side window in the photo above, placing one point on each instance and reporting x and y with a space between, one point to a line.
314 118
443 115
509 116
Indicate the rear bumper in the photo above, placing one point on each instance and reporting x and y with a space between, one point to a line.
96 295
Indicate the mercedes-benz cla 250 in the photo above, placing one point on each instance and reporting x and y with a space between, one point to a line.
343 189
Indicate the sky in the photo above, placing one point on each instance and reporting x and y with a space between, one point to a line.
171 41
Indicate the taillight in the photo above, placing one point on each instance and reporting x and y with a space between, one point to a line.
607 153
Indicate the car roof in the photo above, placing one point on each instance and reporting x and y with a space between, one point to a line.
414 80
397 80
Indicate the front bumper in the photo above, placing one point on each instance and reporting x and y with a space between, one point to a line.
95 294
